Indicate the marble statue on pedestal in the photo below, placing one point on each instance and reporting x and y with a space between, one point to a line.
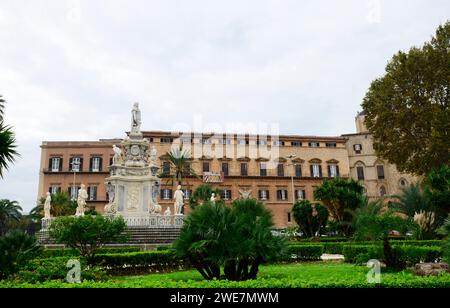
48 206
136 119
179 200
110 207
81 201
117 155
153 156
213 198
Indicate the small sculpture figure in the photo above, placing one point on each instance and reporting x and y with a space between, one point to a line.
111 193
136 119
48 206
81 201
213 198
168 212
153 156
156 189
117 155
179 200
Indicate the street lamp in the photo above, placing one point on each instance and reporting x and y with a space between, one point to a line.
75 169
291 157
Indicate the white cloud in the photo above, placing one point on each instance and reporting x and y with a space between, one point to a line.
304 65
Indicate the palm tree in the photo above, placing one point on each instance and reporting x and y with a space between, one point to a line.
9 211
412 200
7 142
180 164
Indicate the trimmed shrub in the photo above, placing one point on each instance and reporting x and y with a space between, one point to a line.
137 262
69 252
41 270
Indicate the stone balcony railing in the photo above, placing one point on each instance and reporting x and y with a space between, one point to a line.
149 221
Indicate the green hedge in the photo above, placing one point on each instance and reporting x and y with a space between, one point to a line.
40 270
410 254
69 252
148 261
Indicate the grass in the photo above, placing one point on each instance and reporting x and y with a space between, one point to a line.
302 275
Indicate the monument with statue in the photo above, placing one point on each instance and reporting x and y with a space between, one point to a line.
133 187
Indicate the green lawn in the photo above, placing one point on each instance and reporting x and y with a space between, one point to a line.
305 275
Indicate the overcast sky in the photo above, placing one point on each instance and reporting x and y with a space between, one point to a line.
71 70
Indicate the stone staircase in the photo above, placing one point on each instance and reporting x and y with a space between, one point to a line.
137 235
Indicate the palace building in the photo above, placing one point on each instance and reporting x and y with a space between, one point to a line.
277 170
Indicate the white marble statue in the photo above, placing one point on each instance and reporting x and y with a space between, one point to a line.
81 201
153 156
168 212
111 193
213 198
117 155
179 200
48 206
136 119
245 194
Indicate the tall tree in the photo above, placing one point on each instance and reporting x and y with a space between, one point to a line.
407 110
8 146
341 197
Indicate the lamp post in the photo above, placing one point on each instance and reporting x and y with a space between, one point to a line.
75 169
291 157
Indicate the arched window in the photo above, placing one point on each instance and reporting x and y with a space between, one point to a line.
403 183
382 191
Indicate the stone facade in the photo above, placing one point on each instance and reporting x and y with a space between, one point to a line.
380 178
241 158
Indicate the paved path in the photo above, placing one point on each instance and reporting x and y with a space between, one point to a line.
328 257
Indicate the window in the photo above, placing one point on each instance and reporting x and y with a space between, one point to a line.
96 164
357 148
92 193
187 168
166 140
206 141
314 144
298 171
243 142
282 195
280 170
333 171
261 142
289 217
76 164
244 169
360 173
166 168
331 145
300 194
278 143
382 191
166 194
263 194
205 167
187 194
55 164
224 141
380 172
226 194
73 192
185 140
316 171
226 169
403 183
296 144
263 169
54 189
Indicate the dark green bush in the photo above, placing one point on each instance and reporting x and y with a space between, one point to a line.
310 218
16 248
